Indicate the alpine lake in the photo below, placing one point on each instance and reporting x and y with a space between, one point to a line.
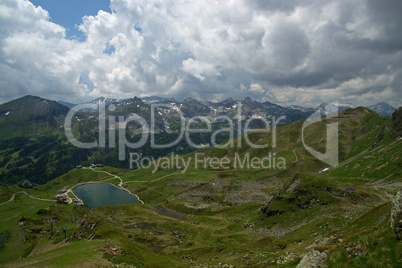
102 194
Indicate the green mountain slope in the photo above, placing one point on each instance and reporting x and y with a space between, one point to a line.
30 116
33 147
360 131
255 217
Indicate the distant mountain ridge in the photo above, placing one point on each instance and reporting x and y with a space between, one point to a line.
155 99
262 108
32 115
382 108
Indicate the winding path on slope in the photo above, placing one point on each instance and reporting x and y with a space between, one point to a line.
114 177
30 196
157 178
296 155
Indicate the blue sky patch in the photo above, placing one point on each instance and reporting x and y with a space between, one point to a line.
69 13
137 28
109 49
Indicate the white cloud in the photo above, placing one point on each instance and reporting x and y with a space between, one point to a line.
199 69
293 52
256 88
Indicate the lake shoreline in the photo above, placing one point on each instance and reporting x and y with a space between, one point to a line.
105 183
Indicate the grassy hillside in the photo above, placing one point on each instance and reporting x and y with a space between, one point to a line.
203 217
30 116
225 223
33 146
361 131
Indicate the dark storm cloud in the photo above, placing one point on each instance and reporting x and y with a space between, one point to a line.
386 17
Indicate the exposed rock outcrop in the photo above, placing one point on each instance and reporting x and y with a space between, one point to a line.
396 215
313 259
287 258
396 131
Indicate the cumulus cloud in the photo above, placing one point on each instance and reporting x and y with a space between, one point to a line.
290 52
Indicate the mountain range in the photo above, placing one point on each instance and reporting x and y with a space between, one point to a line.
259 108
306 213
33 141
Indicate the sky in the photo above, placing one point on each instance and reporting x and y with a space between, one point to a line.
302 52
69 13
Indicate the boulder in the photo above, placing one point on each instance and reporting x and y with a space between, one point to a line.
313 259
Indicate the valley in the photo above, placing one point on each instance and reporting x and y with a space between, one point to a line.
211 216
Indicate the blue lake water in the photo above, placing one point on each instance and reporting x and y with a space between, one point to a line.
102 194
